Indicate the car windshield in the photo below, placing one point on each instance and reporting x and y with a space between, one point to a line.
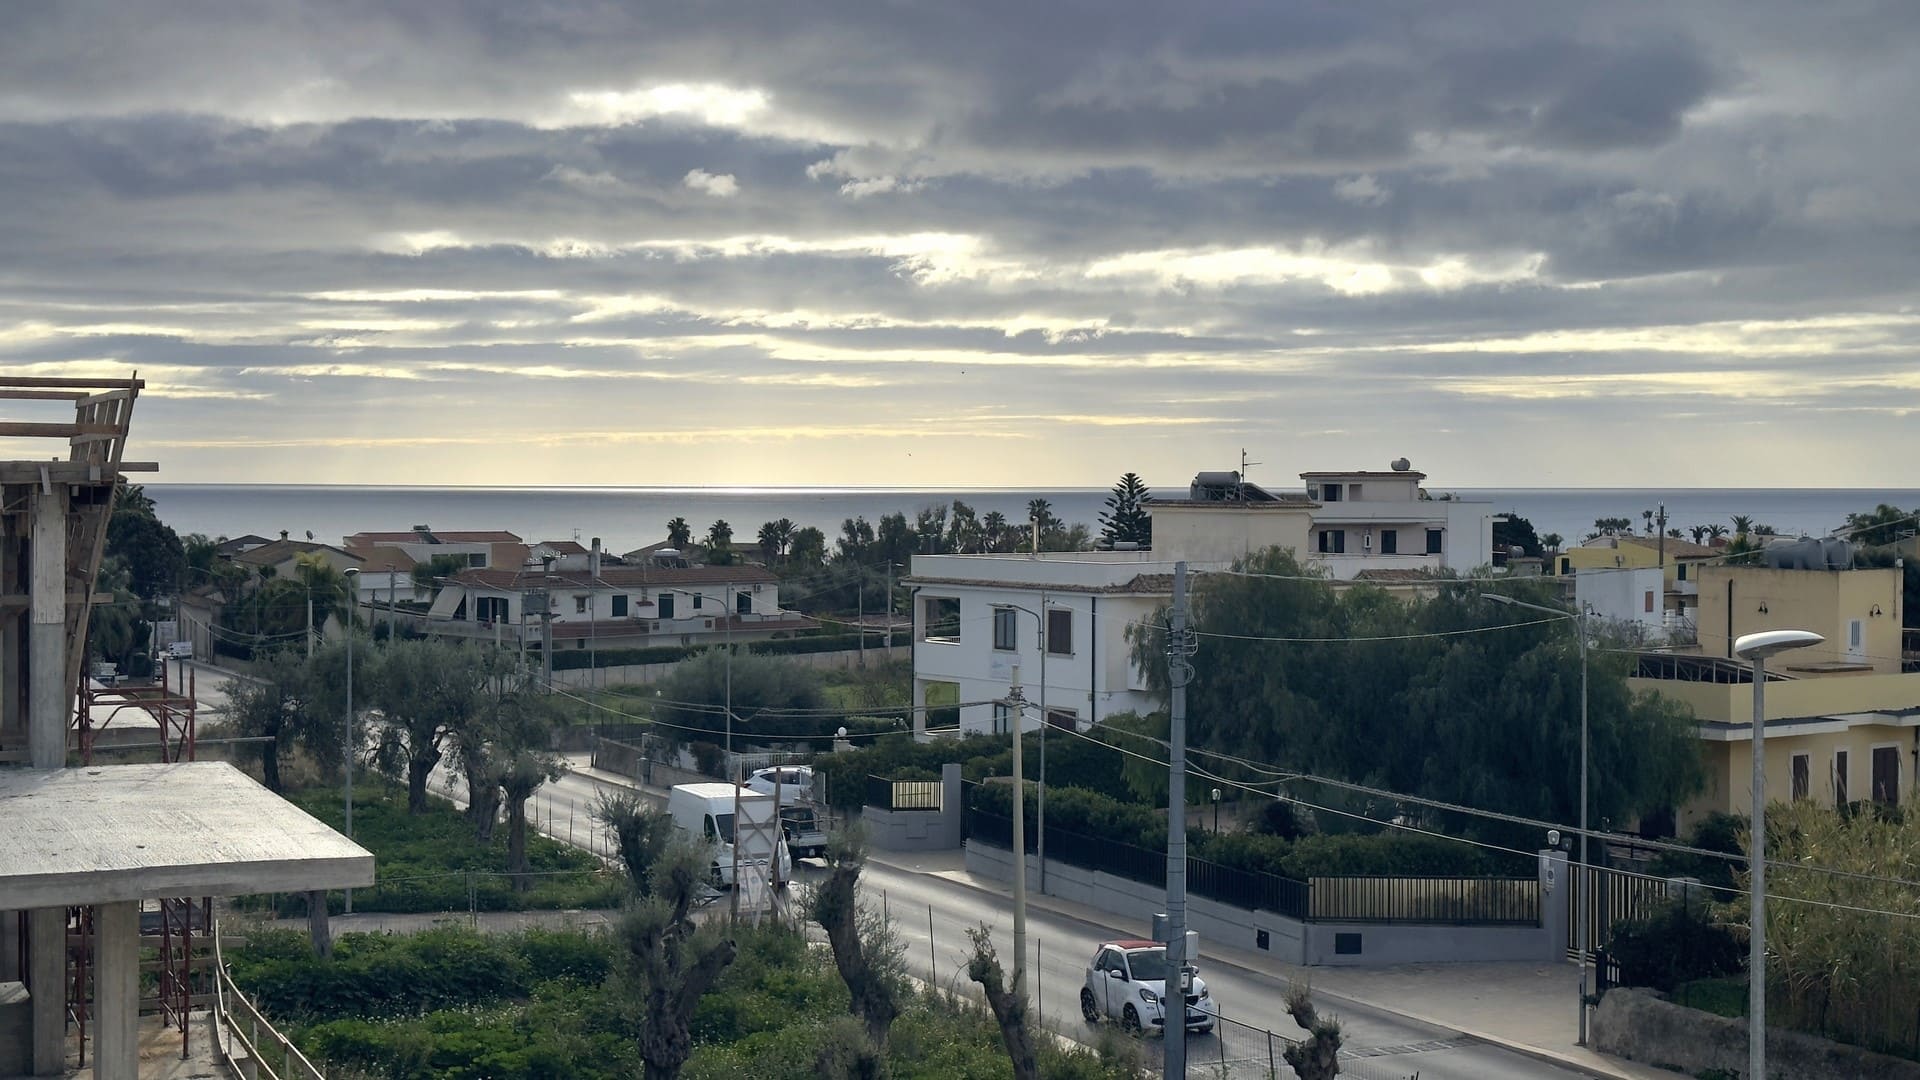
1148 965
797 816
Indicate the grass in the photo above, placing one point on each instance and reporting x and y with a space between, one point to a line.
1722 997
431 862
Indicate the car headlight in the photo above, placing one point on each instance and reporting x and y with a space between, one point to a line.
1149 996
1203 993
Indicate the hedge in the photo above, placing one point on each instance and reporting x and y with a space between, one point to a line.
575 659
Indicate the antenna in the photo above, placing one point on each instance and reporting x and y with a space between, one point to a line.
1240 489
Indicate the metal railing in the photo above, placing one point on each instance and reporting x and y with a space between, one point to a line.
237 1024
1461 901
903 794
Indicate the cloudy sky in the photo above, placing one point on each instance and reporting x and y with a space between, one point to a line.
991 244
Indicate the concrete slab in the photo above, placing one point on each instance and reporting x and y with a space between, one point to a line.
138 832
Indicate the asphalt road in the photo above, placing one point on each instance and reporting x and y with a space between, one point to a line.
931 914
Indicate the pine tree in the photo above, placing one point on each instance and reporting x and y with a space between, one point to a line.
1125 518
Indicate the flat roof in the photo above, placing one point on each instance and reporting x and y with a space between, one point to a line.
139 832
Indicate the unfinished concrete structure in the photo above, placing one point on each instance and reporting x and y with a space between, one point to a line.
86 848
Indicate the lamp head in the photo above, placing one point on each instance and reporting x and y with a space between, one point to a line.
1773 642
351 572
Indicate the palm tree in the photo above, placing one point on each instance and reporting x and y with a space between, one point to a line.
1742 524
1715 532
1552 542
993 531
720 543
679 533
1699 533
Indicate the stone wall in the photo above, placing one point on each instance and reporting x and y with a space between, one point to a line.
1640 1025
919 830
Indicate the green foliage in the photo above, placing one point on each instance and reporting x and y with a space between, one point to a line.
1516 531
1715 832
1884 524
1725 996
770 697
1488 719
423 861
1126 518
1677 942
154 556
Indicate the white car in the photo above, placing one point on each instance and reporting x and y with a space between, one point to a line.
1127 982
795 782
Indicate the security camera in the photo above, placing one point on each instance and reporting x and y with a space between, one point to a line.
1553 837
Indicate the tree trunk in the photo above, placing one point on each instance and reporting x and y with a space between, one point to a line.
270 765
483 802
1009 1009
517 842
318 926
836 907
419 768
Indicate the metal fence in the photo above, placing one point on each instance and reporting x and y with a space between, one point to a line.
1476 901
1617 898
1241 888
1237 1051
903 794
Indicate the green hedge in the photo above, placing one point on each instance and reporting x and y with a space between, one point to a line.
806 642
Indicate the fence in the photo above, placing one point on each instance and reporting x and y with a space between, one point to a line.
237 1023
903 794
1617 898
1229 885
1237 1051
1464 901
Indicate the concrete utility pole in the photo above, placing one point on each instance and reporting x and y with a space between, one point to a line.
1040 793
1179 673
1016 708
353 585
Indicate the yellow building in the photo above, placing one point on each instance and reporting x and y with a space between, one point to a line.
1843 722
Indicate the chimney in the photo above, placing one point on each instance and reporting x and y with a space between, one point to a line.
593 560
283 534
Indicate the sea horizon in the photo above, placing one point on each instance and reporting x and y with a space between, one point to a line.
627 517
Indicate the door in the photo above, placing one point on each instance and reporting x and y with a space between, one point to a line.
1856 642
1886 775
1113 982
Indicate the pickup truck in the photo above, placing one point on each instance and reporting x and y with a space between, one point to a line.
806 833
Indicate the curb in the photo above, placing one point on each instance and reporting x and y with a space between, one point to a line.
1536 1053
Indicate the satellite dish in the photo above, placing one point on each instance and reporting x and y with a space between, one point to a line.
309 534
1401 464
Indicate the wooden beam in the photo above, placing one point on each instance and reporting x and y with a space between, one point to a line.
56 383
25 429
44 395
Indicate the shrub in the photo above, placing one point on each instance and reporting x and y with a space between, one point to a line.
1677 942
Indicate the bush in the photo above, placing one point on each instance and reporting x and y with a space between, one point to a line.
1677 942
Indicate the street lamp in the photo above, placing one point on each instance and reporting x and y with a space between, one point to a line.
1757 647
352 574
1215 793
1586 874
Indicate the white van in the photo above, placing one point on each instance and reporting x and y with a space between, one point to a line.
180 650
706 811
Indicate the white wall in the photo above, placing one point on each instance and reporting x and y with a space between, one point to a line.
1620 596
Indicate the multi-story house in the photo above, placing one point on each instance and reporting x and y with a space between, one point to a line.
976 616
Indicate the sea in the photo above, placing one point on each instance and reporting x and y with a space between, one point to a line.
627 518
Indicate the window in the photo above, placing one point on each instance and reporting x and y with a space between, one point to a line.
1329 492
1006 632
698 600
491 609
1389 542
1333 541
1802 776
1566 566
940 617
476 558
1353 492
1840 777
1064 718
743 603
666 605
1647 603
1002 718
1433 541
1886 775
579 605
1680 571
620 605
1059 632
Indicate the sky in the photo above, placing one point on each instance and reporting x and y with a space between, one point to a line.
994 244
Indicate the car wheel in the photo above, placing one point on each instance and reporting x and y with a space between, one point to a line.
1087 1007
1130 1021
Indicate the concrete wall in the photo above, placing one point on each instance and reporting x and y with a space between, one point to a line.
1823 601
1636 1024
1228 531
920 830
1292 940
1634 595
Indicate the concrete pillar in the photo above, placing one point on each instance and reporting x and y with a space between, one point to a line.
47 971
51 696
1556 897
10 947
116 991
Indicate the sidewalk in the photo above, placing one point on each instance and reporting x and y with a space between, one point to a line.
1527 1008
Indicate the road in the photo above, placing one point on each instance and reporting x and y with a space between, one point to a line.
932 913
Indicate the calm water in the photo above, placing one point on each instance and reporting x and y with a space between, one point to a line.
628 517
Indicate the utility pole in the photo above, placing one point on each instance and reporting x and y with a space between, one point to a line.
1660 527
309 623
1016 708
1179 673
1046 721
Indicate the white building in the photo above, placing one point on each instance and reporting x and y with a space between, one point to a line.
615 606
1061 618
973 613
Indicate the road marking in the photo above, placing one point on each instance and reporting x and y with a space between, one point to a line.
1454 1043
